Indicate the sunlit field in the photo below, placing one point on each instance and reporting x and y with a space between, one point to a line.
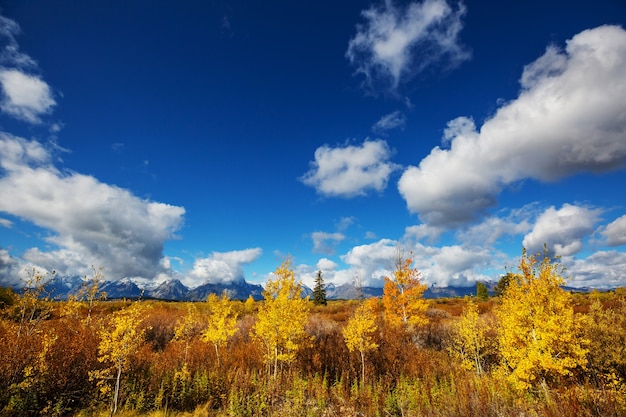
91 357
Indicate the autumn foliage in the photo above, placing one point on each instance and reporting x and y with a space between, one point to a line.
534 350
402 296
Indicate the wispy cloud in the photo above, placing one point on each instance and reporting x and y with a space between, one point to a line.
326 243
568 119
351 170
25 95
10 55
394 120
396 43
344 223
6 223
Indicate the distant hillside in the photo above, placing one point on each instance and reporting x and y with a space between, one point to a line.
60 288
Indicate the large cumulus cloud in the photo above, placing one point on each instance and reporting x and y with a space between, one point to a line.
570 117
92 223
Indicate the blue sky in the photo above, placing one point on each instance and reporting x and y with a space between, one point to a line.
206 141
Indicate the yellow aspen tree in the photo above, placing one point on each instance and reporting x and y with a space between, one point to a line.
33 305
281 318
118 343
468 340
539 337
403 296
87 294
187 329
221 322
606 331
36 372
91 290
249 305
360 330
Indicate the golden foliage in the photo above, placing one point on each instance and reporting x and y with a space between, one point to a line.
86 296
281 318
118 343
539 335
360 329
221 322
606 332
468 340
403 296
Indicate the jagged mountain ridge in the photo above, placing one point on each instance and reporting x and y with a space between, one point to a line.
174 290
59 288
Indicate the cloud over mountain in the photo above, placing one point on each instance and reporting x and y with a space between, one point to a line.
222 267
92 223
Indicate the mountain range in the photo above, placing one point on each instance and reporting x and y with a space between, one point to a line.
174 290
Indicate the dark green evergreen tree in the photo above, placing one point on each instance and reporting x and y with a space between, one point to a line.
482 292
503 283
319 292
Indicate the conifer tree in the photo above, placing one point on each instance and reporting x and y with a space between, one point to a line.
482 293
319 292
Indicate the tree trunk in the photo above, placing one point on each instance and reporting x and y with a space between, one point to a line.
217 355
117 390
363 369
275 362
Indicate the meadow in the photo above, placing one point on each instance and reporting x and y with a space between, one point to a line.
92 357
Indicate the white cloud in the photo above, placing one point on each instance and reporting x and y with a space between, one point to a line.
222 267
26 97
390 121
460 126
325 243
10 269
6 223
422 231
452 265
370 262
570 117
493 228
307 273
562 230
440 266
351 170
326 264
615 232
92 223
398 42
603 269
